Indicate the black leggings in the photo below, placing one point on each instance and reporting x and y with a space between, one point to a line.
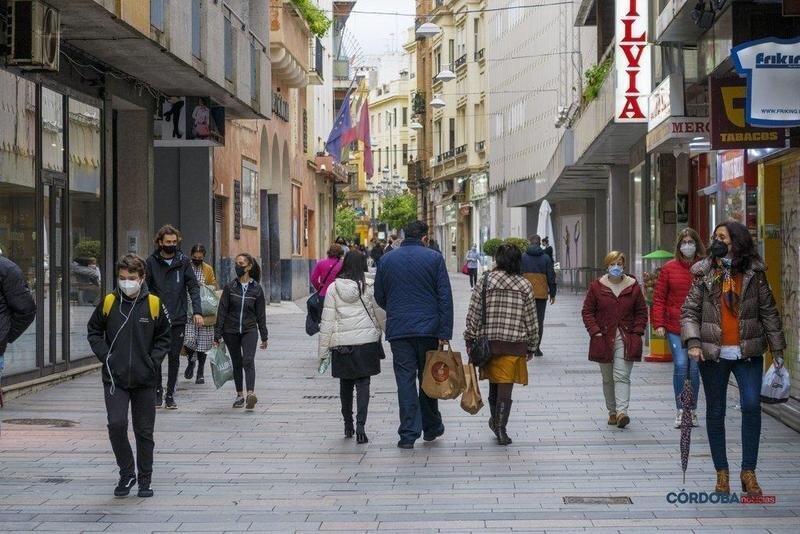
242 348
201 359
362 399
499 392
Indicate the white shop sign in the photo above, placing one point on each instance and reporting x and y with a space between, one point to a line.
631 61
665 101
676 131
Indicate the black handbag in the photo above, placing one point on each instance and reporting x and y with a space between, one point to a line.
480 352
314 308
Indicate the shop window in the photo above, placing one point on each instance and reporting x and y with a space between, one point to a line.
18 200
254 72
296 215
52 131
85 227
249 194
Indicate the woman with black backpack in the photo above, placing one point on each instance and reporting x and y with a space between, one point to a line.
241 316
350 333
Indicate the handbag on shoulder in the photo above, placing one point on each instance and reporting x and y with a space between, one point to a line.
480 352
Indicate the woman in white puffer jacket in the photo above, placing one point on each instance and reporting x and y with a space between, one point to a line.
350 333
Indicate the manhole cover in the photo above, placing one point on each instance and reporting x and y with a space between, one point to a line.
598 500
580 371
61 423
320 397
55 480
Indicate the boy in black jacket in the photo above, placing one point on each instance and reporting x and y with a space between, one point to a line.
129 332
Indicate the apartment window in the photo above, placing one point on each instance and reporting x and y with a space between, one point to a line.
438 59
386 154
452 140
228 44
196 28
451 52
394 156
249 193
157 14
476 34
438 128
405 116
380 161
405 153
255 65
296 214
394 113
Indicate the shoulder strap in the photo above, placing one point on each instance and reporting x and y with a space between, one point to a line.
108 302
483 298
155 306
368 314
329 272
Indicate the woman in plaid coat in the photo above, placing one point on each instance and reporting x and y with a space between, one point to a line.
512 329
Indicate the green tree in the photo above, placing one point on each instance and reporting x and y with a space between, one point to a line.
345 222
399 210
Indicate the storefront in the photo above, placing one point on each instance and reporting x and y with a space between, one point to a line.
52 217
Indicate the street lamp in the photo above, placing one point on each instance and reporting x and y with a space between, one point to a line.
437 102
429 29
415 124
446 75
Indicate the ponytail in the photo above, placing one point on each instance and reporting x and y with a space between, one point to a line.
255 269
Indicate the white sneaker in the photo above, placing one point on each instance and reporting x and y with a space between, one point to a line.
694 418
678 419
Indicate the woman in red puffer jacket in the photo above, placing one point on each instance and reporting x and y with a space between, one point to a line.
671 290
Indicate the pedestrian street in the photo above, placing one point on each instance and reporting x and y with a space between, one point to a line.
286 466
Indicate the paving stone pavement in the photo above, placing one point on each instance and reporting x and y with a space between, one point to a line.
286 467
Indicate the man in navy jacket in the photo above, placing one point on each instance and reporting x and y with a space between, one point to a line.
413 286
537 263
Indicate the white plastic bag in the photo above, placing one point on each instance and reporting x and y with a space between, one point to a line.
775 385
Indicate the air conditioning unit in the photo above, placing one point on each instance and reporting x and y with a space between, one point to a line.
34 35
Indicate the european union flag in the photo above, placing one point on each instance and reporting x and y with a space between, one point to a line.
341 130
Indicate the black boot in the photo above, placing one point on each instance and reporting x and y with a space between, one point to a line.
503 411
362 406
346 396
201 364
189 368
493 408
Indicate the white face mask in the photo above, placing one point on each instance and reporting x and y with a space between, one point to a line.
688 250
130 287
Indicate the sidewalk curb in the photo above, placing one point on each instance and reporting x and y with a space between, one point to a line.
38 384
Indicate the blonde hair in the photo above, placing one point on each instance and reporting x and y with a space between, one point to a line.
614 256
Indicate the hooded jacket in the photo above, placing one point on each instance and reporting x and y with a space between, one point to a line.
139 342
241 310
346 321
536 261
759 321
17 307
413 286
171 282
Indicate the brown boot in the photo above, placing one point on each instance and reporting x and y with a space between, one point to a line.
612 419
723 482
750 483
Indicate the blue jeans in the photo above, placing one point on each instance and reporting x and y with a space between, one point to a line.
683 364
418 412
715 383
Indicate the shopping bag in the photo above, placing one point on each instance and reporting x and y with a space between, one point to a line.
775 385
471 401
465 269
443 377
209 301
221 365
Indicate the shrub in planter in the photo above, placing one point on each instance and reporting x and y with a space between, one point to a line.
520 243
490 246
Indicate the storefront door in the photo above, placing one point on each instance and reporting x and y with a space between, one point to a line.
55 285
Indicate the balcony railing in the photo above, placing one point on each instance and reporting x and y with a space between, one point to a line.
461 150
460 62
479 54
480 146
316 52
280 107
341 69
447 155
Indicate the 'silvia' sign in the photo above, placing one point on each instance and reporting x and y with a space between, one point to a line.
632 61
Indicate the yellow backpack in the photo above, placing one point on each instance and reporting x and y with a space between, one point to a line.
152 300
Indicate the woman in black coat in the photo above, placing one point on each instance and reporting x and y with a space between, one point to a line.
241 316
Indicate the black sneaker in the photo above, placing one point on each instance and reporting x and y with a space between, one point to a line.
433 435
189 370
405 444
124 485
169 403
145 490
200 380
239 402
159 397
538 353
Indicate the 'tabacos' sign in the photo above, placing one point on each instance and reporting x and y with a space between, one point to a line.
772 69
